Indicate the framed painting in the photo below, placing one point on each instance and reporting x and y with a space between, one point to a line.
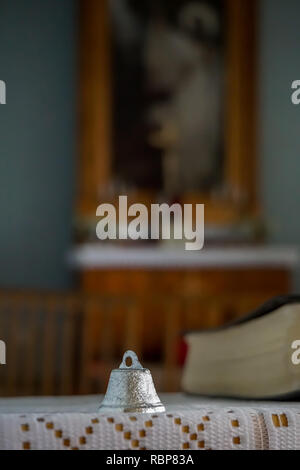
168 104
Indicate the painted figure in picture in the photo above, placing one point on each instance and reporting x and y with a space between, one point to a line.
180 53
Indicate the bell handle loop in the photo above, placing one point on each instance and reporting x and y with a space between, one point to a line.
130 361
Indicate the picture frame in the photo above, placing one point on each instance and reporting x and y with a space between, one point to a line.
240 201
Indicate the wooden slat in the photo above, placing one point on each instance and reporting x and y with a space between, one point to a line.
133 329
12 346
90 321
70 318
49 352
107 341
172 336
30 355
3 337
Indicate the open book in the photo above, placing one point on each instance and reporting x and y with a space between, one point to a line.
256 357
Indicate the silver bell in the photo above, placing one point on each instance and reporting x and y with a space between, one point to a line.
130 389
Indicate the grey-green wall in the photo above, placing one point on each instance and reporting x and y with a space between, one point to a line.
37 140
38 134
280 120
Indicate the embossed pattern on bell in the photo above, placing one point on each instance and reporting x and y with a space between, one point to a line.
131 389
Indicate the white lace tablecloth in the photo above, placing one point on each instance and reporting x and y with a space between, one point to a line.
189 423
